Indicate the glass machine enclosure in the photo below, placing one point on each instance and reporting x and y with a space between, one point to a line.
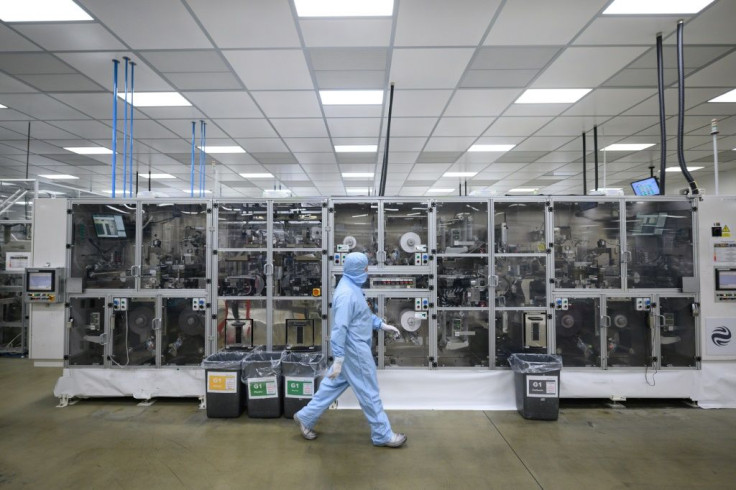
271 266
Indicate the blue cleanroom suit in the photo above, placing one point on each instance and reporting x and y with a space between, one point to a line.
352 332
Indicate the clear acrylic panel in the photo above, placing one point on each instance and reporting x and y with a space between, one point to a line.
241 273
241 322
86 340
462 338
520 332
659 239
12 323
18 194
406 231
183 332
628 339
15 247
412 346
462 281
297 322
356 228
587 245
578 332
518 227
242 225
677 332
522 281
103 245
297 225
462 227
133 336
297 273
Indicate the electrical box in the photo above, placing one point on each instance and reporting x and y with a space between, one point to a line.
535 330
120 304
643 304
43 285
561 304
199 304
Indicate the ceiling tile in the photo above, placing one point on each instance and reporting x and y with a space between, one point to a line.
224 104
513 57
420 103
354 127
479 102
462 126
722 73
61 83
448 144
324 158
271 69
609 101
412 126
84 36
288 103
712 26
497 78
12 41
247 128
544 22
541 143
350 80
429 68
586 67
516 126
32 64
628 29
98 66
204 81
438 22
300 145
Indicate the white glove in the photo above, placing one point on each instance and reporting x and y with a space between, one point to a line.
390 328
336 368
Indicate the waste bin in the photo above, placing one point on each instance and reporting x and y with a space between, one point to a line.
224 397
302 373
262 377
537 381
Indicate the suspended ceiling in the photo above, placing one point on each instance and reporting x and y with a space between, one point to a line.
252 70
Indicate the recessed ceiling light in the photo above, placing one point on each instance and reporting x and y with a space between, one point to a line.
491 147
459 174
257 175
156 176
89 150
727 97
41 11
656 7
344 8
59 177
356 190
212 150
552 96
157 99
523 189
351 97
356 148
3 106
677 169
628 147
440 191
358 175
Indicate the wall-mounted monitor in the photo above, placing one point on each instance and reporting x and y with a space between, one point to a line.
646 187
109 226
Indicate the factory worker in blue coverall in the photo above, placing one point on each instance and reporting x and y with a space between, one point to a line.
352 332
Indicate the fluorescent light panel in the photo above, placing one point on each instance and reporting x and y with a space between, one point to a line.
357 175
491 148
41 11
628 147
212 150
257 175
727 97
59 177
156 176
344 8
89 150
442 191
523 189
656 7
3 106
351 97
552 95
356 190
459 174
677 169
157 99
356 148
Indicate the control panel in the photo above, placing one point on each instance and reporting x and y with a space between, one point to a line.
43 285
393 282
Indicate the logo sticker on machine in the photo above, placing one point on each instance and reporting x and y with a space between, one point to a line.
299 387
222 382
263 387
541 386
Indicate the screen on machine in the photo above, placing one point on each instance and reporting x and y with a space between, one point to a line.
646 187
109 226
40 281
726 279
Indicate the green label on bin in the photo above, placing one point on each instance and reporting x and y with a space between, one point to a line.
299 387
263 387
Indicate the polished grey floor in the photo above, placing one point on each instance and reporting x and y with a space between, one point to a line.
114 444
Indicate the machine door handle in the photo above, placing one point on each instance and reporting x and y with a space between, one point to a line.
156 324
493 281
626 256
135 270
660 321
268 269
605 321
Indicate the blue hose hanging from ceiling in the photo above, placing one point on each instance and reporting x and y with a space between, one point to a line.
202 157
681 112
115 64
130 153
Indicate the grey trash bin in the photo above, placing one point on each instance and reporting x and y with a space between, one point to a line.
537 382
302 373
262 379
224 391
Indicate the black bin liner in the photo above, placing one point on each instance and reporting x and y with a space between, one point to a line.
302 372
224 391
261 376
537 383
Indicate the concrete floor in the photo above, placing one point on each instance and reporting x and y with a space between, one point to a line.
114 443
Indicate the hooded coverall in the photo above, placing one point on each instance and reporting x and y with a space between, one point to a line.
352 332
